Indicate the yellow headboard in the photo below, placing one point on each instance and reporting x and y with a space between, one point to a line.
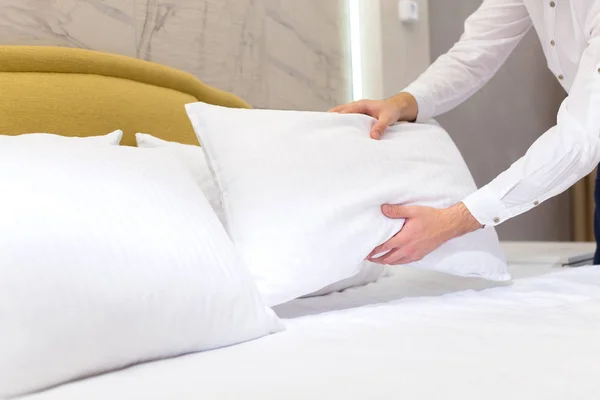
76 92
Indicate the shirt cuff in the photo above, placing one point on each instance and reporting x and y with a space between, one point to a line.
426 107
486 207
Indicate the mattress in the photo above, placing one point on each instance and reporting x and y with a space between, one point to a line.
412 335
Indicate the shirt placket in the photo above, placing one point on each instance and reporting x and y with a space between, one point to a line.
551 9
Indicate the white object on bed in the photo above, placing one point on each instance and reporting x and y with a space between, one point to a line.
302 194
113 138
110 256
534 339
369 273
194 159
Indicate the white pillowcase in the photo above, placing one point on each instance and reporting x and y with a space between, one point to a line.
111 256
112 139
194 159
303 191
368 273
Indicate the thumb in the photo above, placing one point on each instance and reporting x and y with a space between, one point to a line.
385 120
398 212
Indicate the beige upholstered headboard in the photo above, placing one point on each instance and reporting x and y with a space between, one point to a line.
76 92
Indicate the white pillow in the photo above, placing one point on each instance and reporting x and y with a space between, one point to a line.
303 192
369 273
111 256
194 159
113 138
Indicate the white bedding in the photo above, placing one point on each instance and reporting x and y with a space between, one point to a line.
538 338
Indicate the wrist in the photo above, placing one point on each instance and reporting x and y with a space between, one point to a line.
406 106
461 220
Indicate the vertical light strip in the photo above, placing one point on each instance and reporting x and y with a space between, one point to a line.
356 48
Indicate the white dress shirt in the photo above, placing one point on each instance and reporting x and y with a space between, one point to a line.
570 34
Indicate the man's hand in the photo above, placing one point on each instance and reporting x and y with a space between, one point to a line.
424 230
402 107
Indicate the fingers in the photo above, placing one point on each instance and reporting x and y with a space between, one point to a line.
337 109
375 109
357 107
389 211
399 212
401 255
385 120
381 250
394 257
401 248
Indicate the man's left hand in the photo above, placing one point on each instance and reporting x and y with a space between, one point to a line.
424 230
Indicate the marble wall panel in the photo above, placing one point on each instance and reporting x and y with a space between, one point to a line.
273 53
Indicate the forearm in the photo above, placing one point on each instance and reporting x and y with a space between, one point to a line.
463 221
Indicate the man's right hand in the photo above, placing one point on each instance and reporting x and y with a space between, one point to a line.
402 107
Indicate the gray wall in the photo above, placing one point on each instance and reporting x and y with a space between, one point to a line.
405 47
273 53
497 125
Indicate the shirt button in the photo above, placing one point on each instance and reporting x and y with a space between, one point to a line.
552 4
536 203
561 77
496 220
552 43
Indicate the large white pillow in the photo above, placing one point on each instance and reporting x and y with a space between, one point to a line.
112 139
111 256
194 159
303 191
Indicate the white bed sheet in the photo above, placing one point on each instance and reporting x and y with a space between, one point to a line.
401 283
538 338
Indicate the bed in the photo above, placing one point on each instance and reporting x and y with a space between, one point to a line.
412 334
439 338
